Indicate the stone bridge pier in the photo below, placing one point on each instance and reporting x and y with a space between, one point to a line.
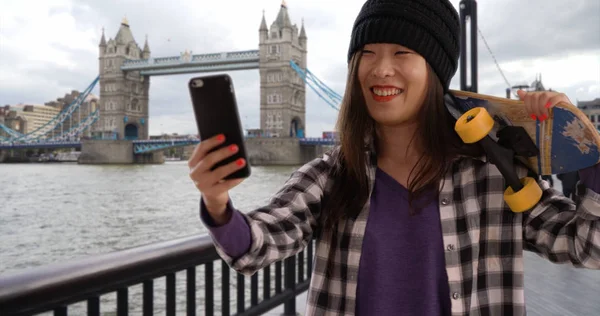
281 151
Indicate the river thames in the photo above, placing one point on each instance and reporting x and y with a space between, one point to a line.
56 212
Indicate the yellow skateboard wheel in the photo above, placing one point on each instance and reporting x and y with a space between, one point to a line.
474 125
526 198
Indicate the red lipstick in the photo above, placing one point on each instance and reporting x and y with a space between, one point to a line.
379 98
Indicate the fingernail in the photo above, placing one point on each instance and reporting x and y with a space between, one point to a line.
233 148
533 117
220 137
240 162
543 117
548 105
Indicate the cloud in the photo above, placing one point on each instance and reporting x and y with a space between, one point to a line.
531 29
49 48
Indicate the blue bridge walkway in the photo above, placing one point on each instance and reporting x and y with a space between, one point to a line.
139 146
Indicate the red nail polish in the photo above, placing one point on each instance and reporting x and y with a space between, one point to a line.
220 137
233 148
240 162
543 117
548 105
533 117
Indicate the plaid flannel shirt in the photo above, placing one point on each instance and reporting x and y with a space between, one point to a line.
484 239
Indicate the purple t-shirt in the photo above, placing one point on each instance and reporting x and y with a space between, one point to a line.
402 268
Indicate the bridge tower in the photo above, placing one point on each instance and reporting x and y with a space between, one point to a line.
123 95
282 91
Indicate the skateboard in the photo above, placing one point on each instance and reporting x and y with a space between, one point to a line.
566 141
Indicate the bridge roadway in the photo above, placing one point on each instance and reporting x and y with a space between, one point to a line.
141 146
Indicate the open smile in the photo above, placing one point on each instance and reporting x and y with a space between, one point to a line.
385 93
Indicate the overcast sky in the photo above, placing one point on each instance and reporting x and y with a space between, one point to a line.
50 47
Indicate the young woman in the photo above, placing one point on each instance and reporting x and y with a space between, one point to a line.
409 220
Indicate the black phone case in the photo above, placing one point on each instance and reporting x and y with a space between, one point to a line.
216 112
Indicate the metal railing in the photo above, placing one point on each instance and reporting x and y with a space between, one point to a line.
58 288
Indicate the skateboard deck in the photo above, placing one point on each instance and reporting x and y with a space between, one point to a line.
567 140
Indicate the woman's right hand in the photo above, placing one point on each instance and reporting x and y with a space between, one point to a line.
214 190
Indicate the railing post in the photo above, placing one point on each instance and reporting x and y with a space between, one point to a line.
289 283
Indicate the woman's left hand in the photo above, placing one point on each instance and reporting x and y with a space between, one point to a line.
538 102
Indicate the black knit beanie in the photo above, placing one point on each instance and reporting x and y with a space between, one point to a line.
429 27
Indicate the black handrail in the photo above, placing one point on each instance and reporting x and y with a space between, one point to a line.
55 287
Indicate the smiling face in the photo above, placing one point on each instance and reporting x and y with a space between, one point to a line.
393 80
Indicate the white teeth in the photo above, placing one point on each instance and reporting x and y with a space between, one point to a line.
386 92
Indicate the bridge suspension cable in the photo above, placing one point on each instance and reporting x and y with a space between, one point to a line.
332 98
11 133
75 131
56 121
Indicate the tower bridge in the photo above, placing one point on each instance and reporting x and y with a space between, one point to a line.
120 127
126 70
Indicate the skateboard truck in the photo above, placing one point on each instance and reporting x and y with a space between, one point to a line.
516 137
475 126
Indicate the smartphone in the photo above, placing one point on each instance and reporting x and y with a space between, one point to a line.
216 112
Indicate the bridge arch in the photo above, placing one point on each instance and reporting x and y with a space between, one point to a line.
131 131
296 127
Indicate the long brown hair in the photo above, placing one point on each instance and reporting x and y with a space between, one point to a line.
440 142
